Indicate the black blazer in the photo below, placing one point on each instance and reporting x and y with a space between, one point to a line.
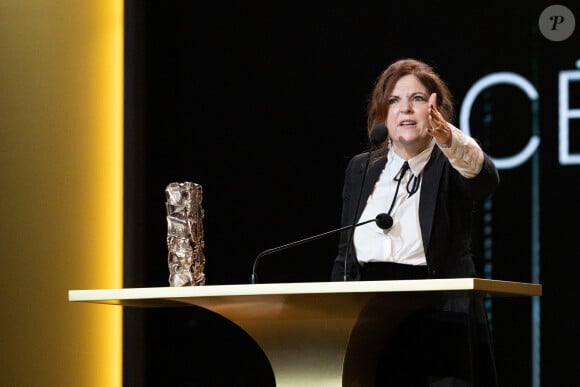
445 212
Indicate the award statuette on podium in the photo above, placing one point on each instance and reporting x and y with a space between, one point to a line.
185 214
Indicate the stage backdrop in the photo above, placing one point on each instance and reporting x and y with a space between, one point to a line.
263 104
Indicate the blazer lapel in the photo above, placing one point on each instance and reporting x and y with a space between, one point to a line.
376 166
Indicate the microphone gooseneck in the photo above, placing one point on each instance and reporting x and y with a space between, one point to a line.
254 278
384 221
377 136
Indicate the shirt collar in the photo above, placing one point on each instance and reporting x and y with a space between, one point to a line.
416 164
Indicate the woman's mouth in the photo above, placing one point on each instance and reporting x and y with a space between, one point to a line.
407 123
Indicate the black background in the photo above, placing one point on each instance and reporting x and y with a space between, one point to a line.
263 104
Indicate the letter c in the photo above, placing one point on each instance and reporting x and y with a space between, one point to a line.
495 79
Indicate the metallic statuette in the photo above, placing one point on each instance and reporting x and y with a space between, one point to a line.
185 234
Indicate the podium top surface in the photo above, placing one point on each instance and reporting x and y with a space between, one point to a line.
156 295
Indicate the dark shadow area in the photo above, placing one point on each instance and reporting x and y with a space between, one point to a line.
198 348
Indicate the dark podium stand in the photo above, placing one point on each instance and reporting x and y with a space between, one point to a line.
315 333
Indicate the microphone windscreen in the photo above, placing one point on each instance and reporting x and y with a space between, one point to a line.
379 134
384 221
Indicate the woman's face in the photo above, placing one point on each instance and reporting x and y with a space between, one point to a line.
408 116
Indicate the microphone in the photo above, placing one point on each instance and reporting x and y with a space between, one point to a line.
384 221
380 221
377 136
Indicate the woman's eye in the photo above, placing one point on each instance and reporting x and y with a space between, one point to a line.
392 101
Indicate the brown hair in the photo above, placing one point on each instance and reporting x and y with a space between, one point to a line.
378 106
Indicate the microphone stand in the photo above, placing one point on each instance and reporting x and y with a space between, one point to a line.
302 241
351 234
378 135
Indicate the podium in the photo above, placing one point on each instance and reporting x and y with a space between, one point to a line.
314 333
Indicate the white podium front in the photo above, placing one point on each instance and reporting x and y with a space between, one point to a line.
313 333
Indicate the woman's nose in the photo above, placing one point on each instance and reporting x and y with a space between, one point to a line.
406 107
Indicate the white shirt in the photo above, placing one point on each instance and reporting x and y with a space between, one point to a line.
373 244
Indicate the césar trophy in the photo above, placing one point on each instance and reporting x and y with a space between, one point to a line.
185 234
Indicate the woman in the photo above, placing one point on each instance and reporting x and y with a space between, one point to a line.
428 177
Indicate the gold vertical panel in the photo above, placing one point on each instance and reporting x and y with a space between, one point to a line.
61 163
